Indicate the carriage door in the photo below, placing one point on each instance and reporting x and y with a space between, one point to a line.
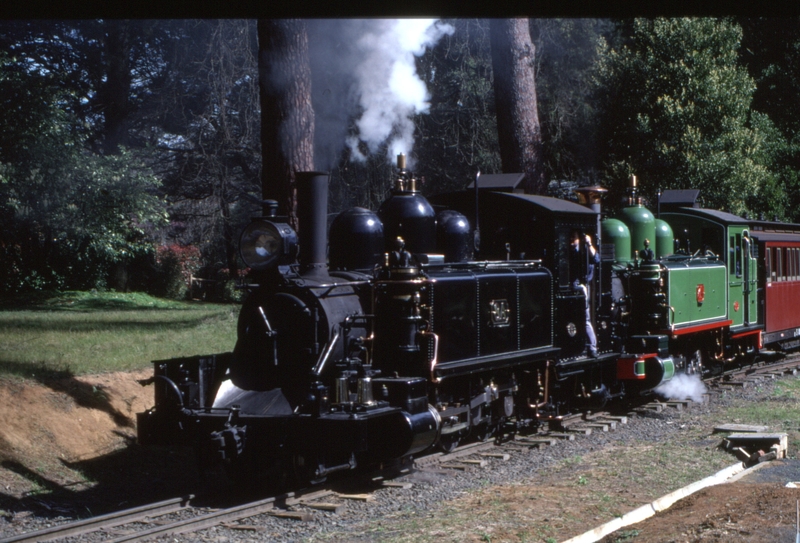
749 265
736 302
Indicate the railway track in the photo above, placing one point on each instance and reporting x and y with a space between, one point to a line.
152 520
180 516
790 365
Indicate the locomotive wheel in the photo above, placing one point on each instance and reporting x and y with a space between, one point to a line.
483 432
449 442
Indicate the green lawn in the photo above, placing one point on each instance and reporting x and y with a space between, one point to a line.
87 332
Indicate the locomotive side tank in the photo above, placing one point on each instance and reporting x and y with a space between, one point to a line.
516 226
698 304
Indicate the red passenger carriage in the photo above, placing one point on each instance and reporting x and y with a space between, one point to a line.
779 282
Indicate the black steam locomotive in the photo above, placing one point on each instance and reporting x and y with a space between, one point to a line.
431 322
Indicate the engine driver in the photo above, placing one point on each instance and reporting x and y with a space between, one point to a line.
581 269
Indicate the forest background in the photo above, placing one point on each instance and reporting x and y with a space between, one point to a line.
131 151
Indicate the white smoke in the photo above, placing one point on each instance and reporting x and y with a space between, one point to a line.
370 75
390 90
683 387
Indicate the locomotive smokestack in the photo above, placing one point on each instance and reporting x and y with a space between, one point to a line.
312 218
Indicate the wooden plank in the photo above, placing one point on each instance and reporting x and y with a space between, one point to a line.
303 516
740 428
772 455
318 495
542 440
460 467
501 456
479 463
741 384
657 407
741 454
248 527
765 441
579 430
680 405
358 497
561 435
620 419
772 437
396 484
332 507
596 426
604 425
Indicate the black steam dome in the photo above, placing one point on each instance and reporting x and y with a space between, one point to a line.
453 236
356 240
408 215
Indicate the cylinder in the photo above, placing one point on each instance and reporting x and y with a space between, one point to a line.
342 390
365 391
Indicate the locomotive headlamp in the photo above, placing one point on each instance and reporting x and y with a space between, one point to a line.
265 244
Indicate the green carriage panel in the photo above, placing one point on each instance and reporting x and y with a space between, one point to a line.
697 294
742 277
726 236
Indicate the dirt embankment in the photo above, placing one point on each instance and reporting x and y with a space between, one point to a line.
48 429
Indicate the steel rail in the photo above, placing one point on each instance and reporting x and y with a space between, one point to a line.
205 521
103 521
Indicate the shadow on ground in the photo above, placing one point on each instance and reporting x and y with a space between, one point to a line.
125 478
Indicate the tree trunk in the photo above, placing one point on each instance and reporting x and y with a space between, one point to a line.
519 135
287 117
115 94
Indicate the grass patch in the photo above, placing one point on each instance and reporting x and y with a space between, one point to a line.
74 333
781 412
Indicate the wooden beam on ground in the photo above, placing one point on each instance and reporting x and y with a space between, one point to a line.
740 428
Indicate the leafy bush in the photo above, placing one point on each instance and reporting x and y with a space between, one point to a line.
68 216
175 267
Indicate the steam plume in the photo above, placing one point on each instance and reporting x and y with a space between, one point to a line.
371 74
683 387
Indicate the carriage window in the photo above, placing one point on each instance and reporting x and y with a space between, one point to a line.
778 264
787 271
768 261
738 254
784 263
731 257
